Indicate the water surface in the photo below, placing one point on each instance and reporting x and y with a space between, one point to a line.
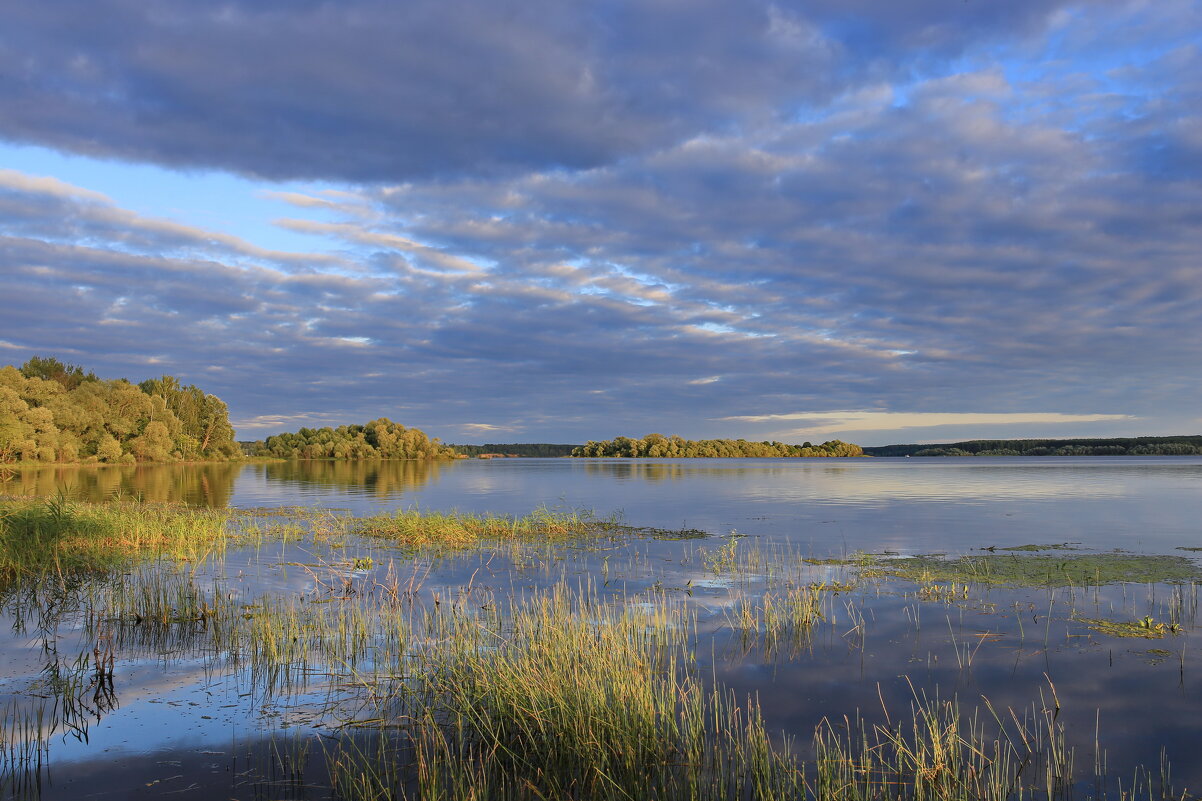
1149 504
184 721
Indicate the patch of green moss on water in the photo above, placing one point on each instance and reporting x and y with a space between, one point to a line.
1044 571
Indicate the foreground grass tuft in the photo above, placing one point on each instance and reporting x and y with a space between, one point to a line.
574 699
60 535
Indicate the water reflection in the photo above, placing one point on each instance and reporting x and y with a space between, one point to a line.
195 484
877 479
268 484
376 478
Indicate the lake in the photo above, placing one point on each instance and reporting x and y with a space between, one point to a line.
1118 655
1150 504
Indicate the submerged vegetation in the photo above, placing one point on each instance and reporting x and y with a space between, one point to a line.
657 446
55 412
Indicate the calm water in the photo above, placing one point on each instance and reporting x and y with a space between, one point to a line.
181 725
1150 505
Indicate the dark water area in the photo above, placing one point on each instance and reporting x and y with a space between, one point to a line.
191 722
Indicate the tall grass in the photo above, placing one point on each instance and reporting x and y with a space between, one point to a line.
558 694
413 528
561 696
942 754
571 698
61 535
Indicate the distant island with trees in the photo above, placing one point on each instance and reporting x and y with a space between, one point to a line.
1114 446
379 439
659 446
52 412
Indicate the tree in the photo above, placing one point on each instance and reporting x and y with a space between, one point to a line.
69 376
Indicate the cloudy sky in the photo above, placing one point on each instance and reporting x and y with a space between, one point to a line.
544 221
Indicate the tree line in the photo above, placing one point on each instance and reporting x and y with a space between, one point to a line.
658 445
1112 446
379 439
56 412
537 449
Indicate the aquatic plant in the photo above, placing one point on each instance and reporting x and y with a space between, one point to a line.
414 528
58 534
1084 569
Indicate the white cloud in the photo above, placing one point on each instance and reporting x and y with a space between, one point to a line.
279 421
484 428
39 184
847 420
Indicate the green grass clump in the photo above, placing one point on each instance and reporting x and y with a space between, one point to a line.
1043 571
60 535
576 700
413 528
941 754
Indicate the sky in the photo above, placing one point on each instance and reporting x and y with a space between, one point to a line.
554 222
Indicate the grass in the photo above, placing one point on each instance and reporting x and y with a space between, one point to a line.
569 698
561 695
567 692
781 620
1042 571
415 529
941 754
59 535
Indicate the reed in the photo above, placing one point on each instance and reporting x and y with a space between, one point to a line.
413 528
58 535
571 698
942 754
569 692
780 620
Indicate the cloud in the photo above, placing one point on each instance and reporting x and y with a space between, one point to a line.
834 421
608 216
46 185
265 424
484 428
375 91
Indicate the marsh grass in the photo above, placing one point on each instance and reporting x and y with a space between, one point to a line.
573 698
781 621
1076 570
942 754
568 692
24 748
562 694
416 529
58 535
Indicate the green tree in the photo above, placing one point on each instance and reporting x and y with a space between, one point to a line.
69 376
